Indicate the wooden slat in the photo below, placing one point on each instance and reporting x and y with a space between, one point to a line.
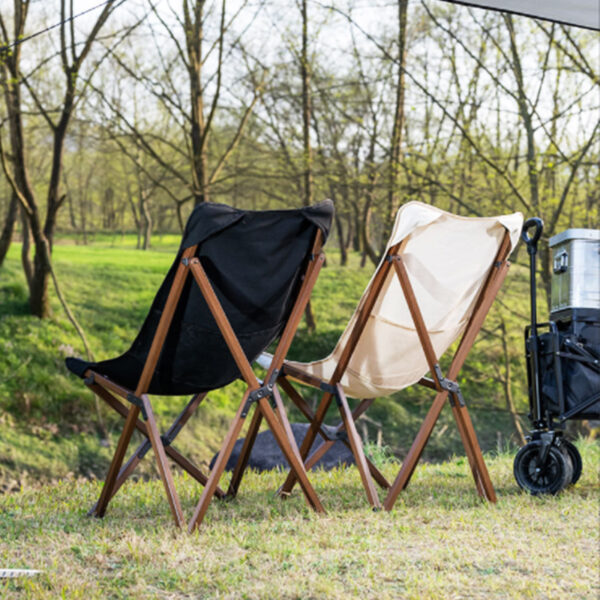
327 443
135 459
219 466
310 278
237 352
417 316
163 465
357 449
242 463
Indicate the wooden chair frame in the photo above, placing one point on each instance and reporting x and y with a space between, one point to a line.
446 387
256 393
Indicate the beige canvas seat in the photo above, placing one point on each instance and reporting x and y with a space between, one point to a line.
436 282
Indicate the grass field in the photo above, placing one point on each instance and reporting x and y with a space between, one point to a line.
440 541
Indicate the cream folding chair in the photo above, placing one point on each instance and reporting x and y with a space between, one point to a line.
437 281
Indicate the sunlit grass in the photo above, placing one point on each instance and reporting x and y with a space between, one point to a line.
440 541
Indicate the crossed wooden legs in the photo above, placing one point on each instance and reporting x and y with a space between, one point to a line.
255 394
465 427
279 425
445 386
167 439
161 445
341 431
365 467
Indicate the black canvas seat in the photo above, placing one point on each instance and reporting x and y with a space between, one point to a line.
252 273
255 261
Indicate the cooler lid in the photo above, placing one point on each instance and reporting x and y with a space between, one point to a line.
574 234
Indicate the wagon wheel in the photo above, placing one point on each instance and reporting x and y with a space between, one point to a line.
575 457
548 478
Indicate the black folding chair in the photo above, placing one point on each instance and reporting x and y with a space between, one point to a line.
252 273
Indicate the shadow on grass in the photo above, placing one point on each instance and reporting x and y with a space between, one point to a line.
13 299
143 502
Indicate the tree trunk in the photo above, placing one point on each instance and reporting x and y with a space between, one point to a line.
350 232
368 251
193 27
9 226
306 110
72 218
357 237
25 249
396 142
306 117
180 217
532 170
39 302
146 219
83 219
136 220
11 79
545 256
341 240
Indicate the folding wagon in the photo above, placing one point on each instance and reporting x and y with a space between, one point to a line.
563 362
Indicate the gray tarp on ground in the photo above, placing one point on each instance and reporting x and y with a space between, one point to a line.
266 453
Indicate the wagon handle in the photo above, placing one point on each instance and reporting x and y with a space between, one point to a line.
532 241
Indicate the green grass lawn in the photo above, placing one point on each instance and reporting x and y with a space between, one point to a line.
440 541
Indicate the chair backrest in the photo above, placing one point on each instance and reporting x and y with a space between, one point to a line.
255 261
448 259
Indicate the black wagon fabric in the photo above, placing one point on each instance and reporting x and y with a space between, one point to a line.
255 261
580 381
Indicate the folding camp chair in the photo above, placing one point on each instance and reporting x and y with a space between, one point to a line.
437 280
252 276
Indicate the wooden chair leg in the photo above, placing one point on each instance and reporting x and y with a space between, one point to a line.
483 479
117 461
469 450
219 466
127 470
357 449
285 423
318 453
300 403
414 454
163 465
307 443
327 443
173 454
191 468
242 463
293 458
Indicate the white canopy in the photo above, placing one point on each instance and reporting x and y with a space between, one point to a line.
582 13
448 258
